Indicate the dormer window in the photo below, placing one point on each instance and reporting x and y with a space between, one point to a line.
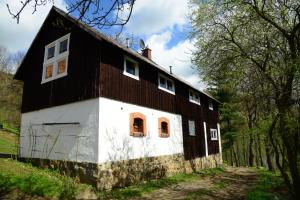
166 84
131 68
210 105
194 97
163 127
56 59
137 124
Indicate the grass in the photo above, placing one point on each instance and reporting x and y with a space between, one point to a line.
268 185
32 180
8 142
147 187
9 128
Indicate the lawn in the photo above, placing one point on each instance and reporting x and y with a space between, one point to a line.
24 177
8 142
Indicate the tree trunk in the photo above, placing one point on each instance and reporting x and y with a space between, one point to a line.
269 156
251 154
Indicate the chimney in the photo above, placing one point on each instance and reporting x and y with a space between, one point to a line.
127 42
147 53
170 69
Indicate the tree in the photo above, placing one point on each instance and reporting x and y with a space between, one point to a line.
10 89
257 41
95 13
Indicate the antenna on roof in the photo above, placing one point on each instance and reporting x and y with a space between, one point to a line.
142 44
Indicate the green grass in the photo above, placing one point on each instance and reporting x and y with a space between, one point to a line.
8 142
147 187
11 129
32 180
267 186
143 188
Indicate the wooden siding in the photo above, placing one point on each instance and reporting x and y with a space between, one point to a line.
82 81
145 92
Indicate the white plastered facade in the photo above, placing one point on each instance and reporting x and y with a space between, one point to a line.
102 135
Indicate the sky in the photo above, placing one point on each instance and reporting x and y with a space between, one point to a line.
163 25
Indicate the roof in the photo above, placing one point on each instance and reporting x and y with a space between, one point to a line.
100 36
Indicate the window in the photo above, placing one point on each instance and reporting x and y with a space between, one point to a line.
56 59
131 68
163 127
137 124
210 105
166 84
194 97
192 128
213 134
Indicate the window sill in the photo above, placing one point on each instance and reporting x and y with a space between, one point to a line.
210 108
166 90
164 135
54 78
195 102
214 139
193 135
138 134
131 76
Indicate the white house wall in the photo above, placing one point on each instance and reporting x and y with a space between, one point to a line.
115 142
62 142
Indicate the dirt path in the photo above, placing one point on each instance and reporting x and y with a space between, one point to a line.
232 184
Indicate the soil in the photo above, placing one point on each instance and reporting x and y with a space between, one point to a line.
235 183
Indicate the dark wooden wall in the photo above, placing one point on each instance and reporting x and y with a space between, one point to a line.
82 81
145 92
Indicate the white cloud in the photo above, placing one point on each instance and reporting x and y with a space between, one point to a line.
153 16
178 56
15 36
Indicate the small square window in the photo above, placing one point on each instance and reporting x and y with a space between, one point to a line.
163 127
213 134
49 71
131 68
63 46
192 128
61 66
137 125
194 97
50 52
166 84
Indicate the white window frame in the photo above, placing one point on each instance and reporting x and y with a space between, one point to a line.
136 66
192 100
191 123
167 79
210 104
213 134
55 59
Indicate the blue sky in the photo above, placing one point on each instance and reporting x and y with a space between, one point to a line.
162 24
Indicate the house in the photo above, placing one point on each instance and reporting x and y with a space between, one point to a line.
110 115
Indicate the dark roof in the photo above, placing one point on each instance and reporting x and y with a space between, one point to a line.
101 36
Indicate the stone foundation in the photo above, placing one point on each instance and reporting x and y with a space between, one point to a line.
123 173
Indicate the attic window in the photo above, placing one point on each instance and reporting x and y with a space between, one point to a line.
137 124
210 105
131 68
194 97
213 134
163 127
56 59
166 84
